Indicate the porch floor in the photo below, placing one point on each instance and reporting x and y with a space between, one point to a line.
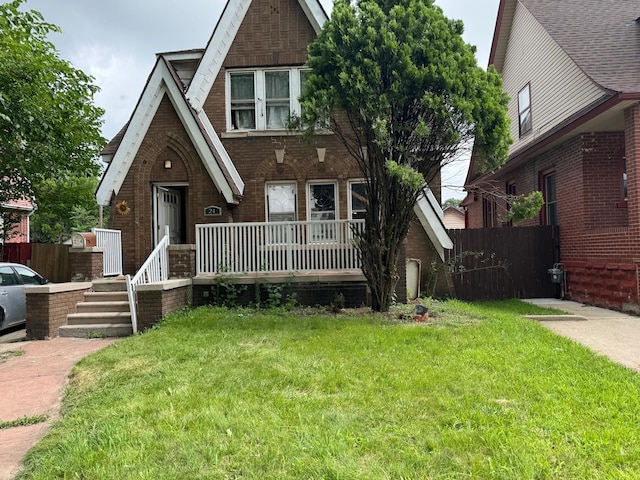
282 277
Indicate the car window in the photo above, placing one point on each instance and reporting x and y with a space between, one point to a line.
29 277
8 277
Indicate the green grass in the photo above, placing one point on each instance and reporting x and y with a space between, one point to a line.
23 421
478 392
7 354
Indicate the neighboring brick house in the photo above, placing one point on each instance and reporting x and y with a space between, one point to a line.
572 71
19 232
208 143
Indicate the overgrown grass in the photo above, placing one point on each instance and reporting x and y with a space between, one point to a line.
479 392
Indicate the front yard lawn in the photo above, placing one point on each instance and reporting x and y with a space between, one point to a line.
476 392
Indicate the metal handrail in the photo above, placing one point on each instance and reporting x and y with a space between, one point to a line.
154 269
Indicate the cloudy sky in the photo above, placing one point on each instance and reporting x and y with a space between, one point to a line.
115 42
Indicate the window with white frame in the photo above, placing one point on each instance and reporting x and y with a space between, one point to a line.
281 202
322 198
263 99
281 207
357 200
524 110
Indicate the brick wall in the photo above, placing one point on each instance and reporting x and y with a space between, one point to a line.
86 264
49 305
157 300
182 261
599 230
165 139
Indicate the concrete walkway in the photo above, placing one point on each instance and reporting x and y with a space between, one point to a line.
33 384
613 334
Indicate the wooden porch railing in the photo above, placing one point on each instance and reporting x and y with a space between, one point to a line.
315 246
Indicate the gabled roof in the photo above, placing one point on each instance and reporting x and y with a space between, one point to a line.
122 149
601 36
222 38
165 81
429 212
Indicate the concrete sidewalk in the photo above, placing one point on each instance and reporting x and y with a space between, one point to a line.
33 384
610 333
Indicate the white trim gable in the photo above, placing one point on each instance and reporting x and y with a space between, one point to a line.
222 38
160 83
140 121
429 212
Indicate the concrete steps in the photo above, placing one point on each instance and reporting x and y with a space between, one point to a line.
104 312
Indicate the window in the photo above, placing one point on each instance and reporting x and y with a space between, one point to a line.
281 202
524 110
625 183
277 99
243 101
511 194
8 277
263 99
281 207
550 212
322 201
357 200
29 277
322 206
489 213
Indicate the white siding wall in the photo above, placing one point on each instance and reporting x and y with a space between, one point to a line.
558 87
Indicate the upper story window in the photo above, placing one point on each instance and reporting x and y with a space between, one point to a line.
524 110
263 99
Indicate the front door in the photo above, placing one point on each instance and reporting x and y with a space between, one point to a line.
169 211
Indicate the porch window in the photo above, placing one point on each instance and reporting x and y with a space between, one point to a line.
550 212
524 110
243 101
281 202
281 207
357 200
322 206
263 99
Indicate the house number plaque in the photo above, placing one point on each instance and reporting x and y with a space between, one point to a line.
212 211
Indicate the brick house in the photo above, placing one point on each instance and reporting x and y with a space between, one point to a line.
21 209
207 144
454 217
572 72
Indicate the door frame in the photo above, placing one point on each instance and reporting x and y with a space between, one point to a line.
154 206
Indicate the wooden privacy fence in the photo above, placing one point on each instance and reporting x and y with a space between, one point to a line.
499 263
51 261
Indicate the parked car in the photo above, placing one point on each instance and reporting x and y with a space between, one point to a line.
13 301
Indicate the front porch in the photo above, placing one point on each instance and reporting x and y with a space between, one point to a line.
252 250
313 261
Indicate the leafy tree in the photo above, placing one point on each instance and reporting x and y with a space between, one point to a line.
64 207
49 127
403 92
451 202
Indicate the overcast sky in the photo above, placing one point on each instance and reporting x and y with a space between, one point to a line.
115 41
